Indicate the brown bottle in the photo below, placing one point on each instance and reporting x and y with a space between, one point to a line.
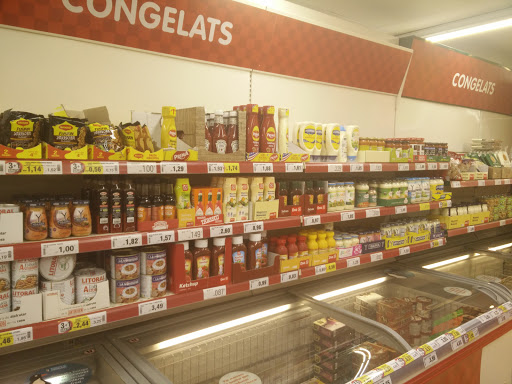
219 134
218 256
144 206
157 203
255 256
169 202
189 262
294 193
283 191
239 252
129 215
232 131
310 192
116 207
202 256
101 199
319 192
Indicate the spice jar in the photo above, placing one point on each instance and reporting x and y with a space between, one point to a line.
60 220
81 219
36 223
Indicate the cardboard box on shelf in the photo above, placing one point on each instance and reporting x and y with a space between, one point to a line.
186 218
94 153
52 153
355 250
495 172
506 173
30 312
263 210
373 156
11 228
33 153
158 225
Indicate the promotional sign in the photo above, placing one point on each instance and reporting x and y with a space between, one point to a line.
440 74
220 31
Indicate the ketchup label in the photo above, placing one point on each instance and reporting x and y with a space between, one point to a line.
203 267
296 200
271 134
239 257
320 198
260 260
256 134
294 255
221 145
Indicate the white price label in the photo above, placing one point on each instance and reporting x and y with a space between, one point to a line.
95 168
6 254
386 380
99 318
110 168
404 250
375 167
403 167
133 240
503 222
435 344
190 234
311 220
59 248
213 293
481 183
508 305
258 283
430 359
353 262
16 337
289 276
374 212
486 317
221 230
256 226
320 269
215 167
503 318
345 216
2 167
335 168
419 166
172 167
161 237
474 332
507 181
356 167
443 340
141 168
443 166
471 229
455 184
294 167
400 209
457 343
377 256
263 168
498 182
432 166
152 306
52 167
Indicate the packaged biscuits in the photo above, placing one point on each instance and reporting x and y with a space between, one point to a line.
24 274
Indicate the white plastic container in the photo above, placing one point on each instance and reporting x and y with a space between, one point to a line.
283 115
306 137
340 196
342 152
332 139
352 142
319 148
331 197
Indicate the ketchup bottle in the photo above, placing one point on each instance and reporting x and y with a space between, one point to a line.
293 250
268 131
281 249
253 130
220 136
302 246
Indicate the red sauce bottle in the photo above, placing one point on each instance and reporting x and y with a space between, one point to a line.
295 193
273 244
302 246
218 256
309 192
219 136
293 250
202 256
208 141
255 259
253 130
281 249
189 262
239 252
232 146
319 192
268 131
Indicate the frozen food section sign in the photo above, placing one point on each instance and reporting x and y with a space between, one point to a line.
220 31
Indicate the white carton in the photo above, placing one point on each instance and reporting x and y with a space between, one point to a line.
11 228
30 312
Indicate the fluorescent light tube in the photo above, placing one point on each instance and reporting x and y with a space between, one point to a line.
500 247
341 291
470 31
446 262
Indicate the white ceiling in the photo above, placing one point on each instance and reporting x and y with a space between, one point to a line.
425 17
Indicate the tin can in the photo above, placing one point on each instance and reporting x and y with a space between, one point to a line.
17 294
5 301
124 264
153 261
5 277
57 268
25 273
9 208
124 291
153 285
66 288
86 281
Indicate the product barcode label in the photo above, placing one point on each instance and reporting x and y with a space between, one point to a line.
294 167
161 237
215 167
136 168
455 184
335 168
400 209
82 322
16 337
59 248
353 262
471 229
172 167
419 166
403 167
152 307
221 230
481 183
457 343
289 276
190 234
133 240
376 256
430 359
375 167
345 216
255 226
263 168
258 283
443 166
486 317
356 167
320 269
432 166
404 250
95 168
311 220
6 254
213 293
498 182
374 212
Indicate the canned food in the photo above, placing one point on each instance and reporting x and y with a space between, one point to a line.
5 301
66 288
153 261
24 273
422 303
17 294
153 285
124 265
124 291
5 278
86 281
9 208
57 268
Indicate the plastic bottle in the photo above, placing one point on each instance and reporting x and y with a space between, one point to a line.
349 195
257 189
265 241
395 190
219 135
239 252
331 243
312 244
116 207
268 137
319 139
425 189
404 191
157 204
218 256
168 133
189 261
269 190
281 249
332 139
302 246
343 150
352 142
202 258
182 193
341 196
283 130
306 137
293 250
252 129
232 131
332 194
242 199
255 257
323 246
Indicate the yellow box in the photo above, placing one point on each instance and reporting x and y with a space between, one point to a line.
186 218
416 238
452 222
262 157
396 242
133 155
15 153
53 153
264 210
441 196
295 157
188 155
94 153
295 264
321 258
476 218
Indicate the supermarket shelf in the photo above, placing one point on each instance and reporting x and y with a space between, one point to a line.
372 167
480 183
479 227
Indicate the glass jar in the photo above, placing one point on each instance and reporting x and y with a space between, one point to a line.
36 223
349 195
362 195
81 218
385 192
372 200
364 144
60 220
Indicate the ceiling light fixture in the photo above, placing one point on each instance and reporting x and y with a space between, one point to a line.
470 31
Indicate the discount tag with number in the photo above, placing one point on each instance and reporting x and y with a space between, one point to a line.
258 283
124 241
173 167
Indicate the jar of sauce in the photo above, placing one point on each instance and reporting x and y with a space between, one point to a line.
60 220
255 257
202 256
208 141
81 219
364 144
239 252
283 192
36 222
218 254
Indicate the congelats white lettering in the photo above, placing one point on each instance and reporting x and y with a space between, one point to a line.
473 83
152 16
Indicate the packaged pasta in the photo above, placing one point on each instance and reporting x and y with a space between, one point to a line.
66 133
105 137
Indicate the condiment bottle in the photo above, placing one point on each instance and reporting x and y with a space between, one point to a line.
268 131
239 252
60 220
218 202
319 192
242 199
269 190
169 135
283 192
295 193
209 203
101 204
81 218
198 202
219 134
202 256
293 250
302 246
208 140
128 202
309 192
257 189
331 243
255 255
182 192
232 131
157 203
283 114
229 206
144 207
189 262
265 241
312 244
273 244
116 207
322 243
253 130
218 254
169 202
36 222
282 250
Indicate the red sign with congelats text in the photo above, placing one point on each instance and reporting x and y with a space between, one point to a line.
442 75
220 31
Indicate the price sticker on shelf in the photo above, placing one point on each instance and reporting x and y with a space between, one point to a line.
486 317
82 322
17 336
374 212
457 343
174 168
311 220
430 359
231 167
386 369
375 167
437 243
432 166
59 248
471 229
353 262
255 226
403 167
289 276
507 305
424 206
435 344
406 358
190 234
133 240
294 167
473 334
503 318
443 166
481 183
320 269
445 204
385 380
356 167
334 168
425 349
455 184
2 167
214 292
498 182
419 166
6 254
152 307
400 209
221 230
215 167
404 250
28 167
95 168
144 168
346 216
378 256
161 237
263 168
443 340
506 181
457 332
503 223
258 283
330 267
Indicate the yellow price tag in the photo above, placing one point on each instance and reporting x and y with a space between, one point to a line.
231 168
386 369
79 323
6 339
331 267
425 207
93 168
365 379
406 358
444 204
472 335
28 167
503 308
454 333
427 349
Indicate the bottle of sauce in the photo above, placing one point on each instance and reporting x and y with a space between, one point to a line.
283 192
268 131
310 192
116 207
232 133
283 114
239 252
257 189
208 140
128 202
282 250
218 254
312 244
189 262
295 193
269 190
322 243
319 192
157 203
218 202
255 258
273 244
265 241
331 243
253 130
219 134
202 256
144 207
169 203
209 204
101 208
169 134
293 250
302 247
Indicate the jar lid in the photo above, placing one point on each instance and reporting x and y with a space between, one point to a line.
255 237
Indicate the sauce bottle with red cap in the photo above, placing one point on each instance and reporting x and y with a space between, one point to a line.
268 131
253 130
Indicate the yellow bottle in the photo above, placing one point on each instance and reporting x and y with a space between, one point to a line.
169 134
331 243
322 243
312 244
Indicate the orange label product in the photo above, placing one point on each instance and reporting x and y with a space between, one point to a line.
217 201
143 214
268 131
253 131
198 197
60 220
36 223
208 211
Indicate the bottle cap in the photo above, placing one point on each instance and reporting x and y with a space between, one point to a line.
185 245
219 112
203 243
255 237
237 240
219 241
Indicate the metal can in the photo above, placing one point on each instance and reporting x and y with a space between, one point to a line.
5 278
153 261
124 291
86 281
9 208
5 301
57 268
153 285
66 288
25 273
17 294
124 264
